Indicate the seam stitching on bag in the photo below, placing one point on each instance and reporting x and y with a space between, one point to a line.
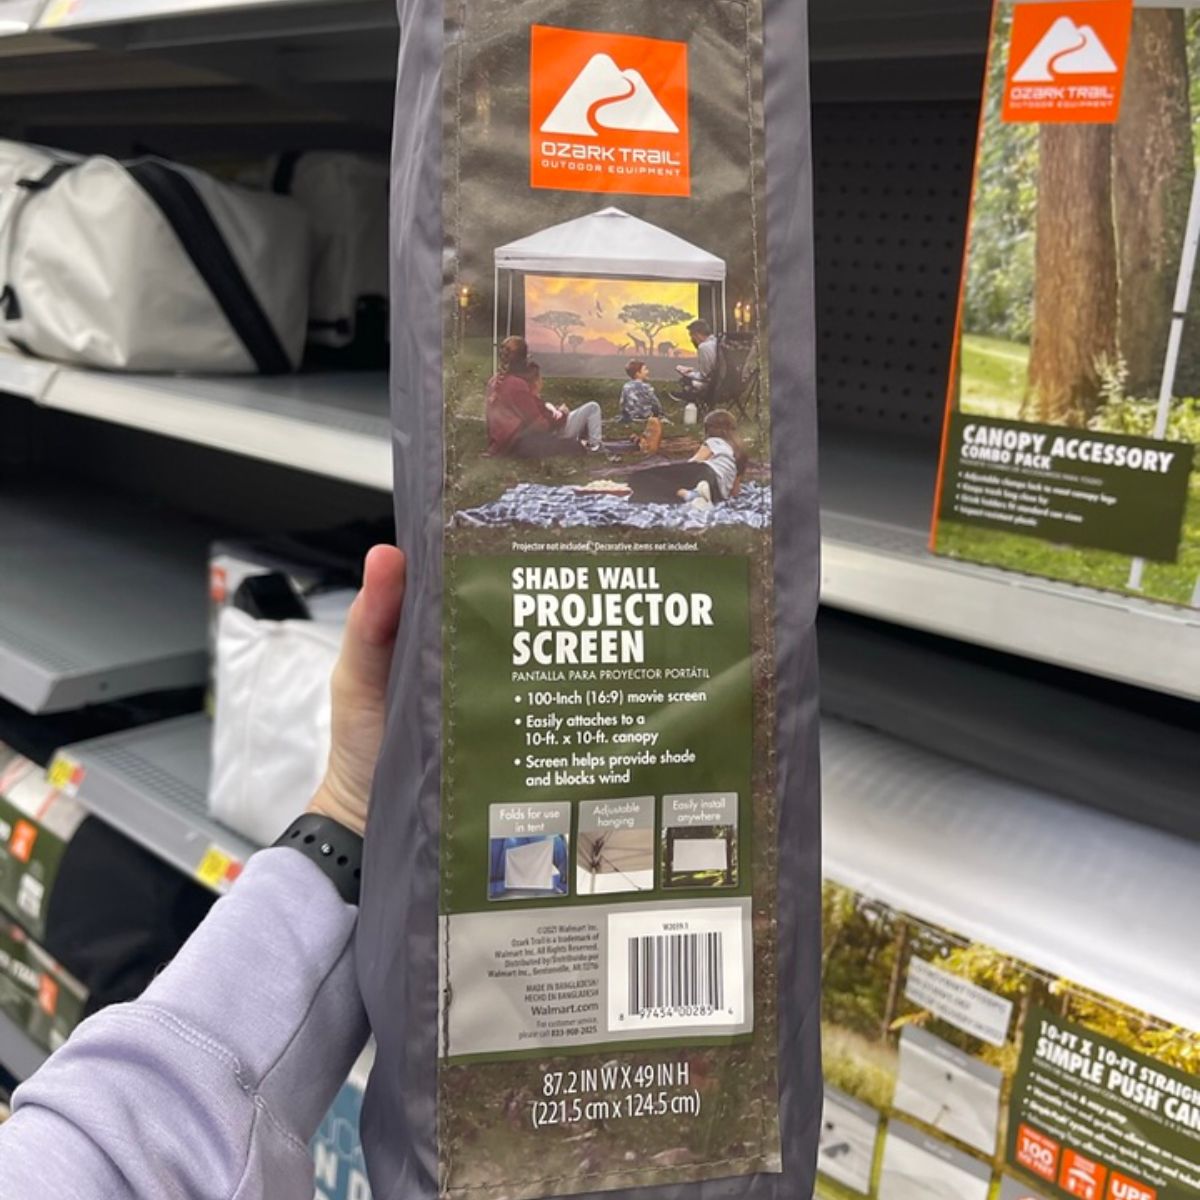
759 1160
450 591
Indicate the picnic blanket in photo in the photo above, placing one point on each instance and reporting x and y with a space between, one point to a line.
546 506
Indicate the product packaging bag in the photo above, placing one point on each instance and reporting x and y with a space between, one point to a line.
601 217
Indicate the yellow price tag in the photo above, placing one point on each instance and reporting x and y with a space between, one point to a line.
217 869
65 774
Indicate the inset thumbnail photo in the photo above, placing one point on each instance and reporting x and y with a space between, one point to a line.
528 851
846 1149
699 840
918 1167
615 846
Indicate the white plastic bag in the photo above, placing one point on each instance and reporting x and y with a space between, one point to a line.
272 720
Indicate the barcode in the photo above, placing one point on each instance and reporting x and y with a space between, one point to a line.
676 971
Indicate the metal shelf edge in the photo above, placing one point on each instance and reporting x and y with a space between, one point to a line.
190 841
289 441
1092 632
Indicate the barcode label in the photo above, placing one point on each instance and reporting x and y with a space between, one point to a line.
677 971
678 968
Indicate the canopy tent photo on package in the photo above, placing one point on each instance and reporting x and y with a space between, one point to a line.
610 245
615 860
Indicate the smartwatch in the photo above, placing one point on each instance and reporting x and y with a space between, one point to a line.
334 848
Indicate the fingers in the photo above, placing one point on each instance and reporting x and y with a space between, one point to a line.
374 618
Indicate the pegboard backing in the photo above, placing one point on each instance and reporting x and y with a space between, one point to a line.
892 185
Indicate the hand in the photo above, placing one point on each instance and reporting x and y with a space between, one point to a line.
359 688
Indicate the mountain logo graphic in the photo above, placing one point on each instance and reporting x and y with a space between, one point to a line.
602 96
1066 49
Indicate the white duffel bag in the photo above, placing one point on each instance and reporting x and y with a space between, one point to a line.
345 197
272 720
148 266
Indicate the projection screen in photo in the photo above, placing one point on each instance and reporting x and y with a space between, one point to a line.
591 293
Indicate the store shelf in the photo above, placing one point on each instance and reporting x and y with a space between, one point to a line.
1130 752
876 502
19 1053
151 783
98 599
77 14
18 16
26 377
995 861
335 424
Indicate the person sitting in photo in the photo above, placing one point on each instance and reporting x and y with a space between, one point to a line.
521 425
640 402
695 380
713 474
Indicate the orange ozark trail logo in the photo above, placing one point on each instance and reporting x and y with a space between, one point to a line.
1066 61
608 112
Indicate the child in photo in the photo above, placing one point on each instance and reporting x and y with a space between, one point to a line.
713 474
640 402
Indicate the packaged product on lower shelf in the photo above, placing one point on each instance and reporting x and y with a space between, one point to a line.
38 995
339 1167
1072 416
110 911
589 926
1009 1009
952 1067
277 609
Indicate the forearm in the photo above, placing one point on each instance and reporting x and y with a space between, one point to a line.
211 1084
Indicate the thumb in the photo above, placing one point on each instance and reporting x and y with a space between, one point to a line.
373 620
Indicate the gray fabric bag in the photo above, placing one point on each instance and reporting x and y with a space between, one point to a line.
454 1108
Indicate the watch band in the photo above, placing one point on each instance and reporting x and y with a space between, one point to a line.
334 848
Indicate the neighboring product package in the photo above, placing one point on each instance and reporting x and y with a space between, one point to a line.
37 994
57 867
1072 414
307 567
339 1168
346 199
272 716
148 265
37 823
985 1076
589 940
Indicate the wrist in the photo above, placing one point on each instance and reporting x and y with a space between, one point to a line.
335 849
327 803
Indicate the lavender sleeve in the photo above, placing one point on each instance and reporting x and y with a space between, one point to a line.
209 1086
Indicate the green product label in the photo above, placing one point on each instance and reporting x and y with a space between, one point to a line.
36 993
36 825
1078 486
608 862
1093 1118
